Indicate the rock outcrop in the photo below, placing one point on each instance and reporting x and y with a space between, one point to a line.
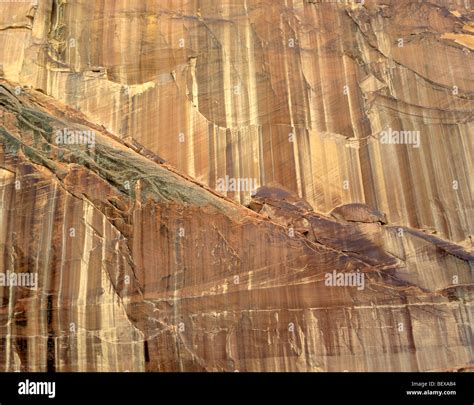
250 185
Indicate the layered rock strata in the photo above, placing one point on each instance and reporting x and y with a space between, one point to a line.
141 268
252 185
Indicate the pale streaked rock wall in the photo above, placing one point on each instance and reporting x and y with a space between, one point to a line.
294 94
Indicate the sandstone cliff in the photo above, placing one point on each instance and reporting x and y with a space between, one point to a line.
352 123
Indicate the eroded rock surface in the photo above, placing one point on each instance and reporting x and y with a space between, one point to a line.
143 266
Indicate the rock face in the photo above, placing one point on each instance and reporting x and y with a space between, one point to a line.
252 185
358 213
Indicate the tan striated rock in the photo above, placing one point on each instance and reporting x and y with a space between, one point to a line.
296 94
358 213
184 113
140 268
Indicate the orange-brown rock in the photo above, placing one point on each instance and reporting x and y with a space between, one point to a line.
252 185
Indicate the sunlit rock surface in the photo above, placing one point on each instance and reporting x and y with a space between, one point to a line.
145 263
